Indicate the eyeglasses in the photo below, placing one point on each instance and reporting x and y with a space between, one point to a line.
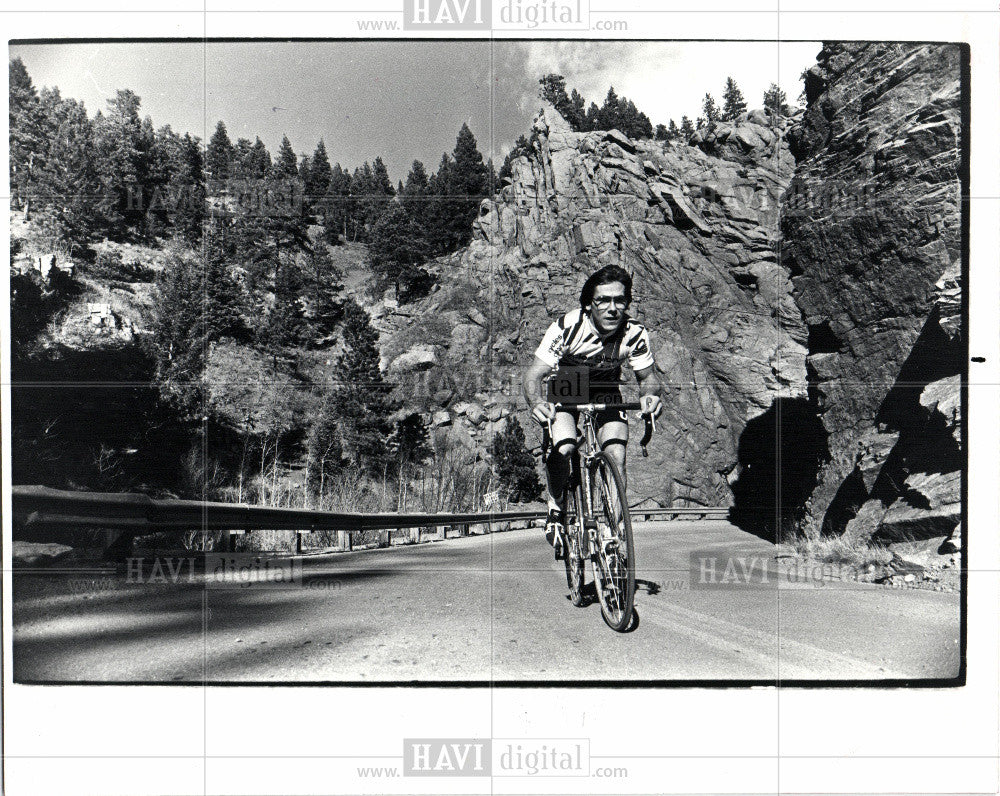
604 302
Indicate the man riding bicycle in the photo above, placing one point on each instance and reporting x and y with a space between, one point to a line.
581 358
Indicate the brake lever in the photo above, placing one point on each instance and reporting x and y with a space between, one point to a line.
648 435
546 440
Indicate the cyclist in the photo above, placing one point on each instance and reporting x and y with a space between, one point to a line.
581 358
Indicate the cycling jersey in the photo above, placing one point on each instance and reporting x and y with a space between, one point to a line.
572 344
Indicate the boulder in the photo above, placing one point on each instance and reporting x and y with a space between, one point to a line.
418 358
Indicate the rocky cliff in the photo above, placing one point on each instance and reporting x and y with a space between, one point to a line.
872 237
697 225
800 279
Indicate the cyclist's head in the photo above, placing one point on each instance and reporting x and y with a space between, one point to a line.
606 276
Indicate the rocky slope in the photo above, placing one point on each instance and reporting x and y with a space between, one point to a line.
872 237
801 281
696 224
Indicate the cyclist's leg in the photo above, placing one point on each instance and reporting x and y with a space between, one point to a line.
612 435
558 463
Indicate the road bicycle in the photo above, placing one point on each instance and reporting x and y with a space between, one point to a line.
598 525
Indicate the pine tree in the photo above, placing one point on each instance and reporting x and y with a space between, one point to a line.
409 442
774 101
661 133
317 183
577 115
609 116
469 185
178 331
219 155
258 163
337 205
28 133
66 180
285 326
687 129
710 109
396 248
122 153
187 183
733 103
673 132
521 147
514 466
552 88
362 397
286 165
414 194
322 293
593 118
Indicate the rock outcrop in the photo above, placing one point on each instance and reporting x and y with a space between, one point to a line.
800 278
697 225
872 235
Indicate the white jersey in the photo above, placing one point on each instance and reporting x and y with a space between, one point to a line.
573 341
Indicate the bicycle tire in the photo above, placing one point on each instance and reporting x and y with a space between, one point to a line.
614 573
574 558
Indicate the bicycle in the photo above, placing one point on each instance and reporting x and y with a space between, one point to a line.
598 525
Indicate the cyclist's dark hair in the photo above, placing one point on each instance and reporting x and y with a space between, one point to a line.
607 275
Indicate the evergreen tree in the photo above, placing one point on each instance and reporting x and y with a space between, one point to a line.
409 443
258 161
514 466
733 103
673 132
578 116
609 116
285 326
317 180
122 151
414 194
28 134
322 295
661 133
362 397
553 90
66 179
521 147
774 101
396 249
219 155
286 165
337 205
593 119
469 183
687 129
186 188
710 109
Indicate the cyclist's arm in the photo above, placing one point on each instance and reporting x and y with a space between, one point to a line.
649 384
531 382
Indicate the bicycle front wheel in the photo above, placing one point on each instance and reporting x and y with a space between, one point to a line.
574 554
614 563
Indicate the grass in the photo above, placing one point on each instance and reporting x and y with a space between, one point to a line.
840 550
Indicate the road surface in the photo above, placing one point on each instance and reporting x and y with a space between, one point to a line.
484 608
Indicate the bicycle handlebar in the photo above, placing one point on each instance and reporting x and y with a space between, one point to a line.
649 420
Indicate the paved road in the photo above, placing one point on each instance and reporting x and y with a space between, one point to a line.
487 608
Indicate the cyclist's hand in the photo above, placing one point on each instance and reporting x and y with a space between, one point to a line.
651 405
543 412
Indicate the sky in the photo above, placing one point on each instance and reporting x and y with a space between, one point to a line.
401 100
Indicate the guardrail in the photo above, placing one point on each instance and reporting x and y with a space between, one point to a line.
39 506
132 514
689 512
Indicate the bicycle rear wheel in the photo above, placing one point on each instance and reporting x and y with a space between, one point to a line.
574 555
614 570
